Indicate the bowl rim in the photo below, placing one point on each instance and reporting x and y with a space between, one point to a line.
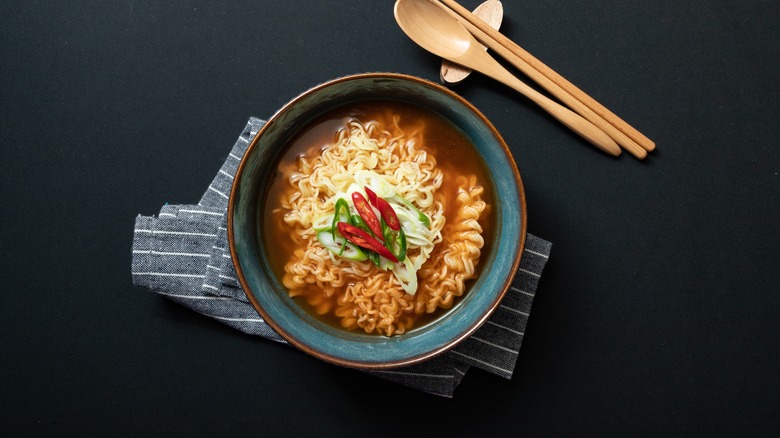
507 282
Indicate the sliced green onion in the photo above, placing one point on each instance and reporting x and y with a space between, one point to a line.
417 234
406 274
420 215
323 223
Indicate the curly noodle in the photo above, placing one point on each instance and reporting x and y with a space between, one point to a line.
359 294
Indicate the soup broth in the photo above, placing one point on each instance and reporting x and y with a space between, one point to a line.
283 230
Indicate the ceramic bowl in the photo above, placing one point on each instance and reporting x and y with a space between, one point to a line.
353 349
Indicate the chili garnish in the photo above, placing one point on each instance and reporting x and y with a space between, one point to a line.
385 209
371 196
388 214
364 240
395 241
342 213
367 214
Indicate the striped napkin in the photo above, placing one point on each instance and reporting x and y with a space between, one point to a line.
183 255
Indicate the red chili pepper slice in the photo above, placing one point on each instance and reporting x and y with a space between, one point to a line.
371 196
385 209
364 240
367 214
388 214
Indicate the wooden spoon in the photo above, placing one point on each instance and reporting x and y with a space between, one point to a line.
433 29
492 13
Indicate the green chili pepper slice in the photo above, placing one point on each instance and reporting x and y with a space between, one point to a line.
395 241
341 214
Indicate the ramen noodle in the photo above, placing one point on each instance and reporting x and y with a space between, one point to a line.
372 168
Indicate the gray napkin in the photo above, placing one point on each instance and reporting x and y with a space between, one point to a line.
182 254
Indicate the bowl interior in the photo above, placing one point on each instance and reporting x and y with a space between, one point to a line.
270 298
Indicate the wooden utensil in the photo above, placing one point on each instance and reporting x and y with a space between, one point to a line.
627 136
492 13
437 32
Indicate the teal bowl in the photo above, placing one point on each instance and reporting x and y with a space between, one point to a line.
352 349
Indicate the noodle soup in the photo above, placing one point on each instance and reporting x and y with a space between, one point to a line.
433 181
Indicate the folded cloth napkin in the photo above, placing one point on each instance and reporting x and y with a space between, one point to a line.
183 255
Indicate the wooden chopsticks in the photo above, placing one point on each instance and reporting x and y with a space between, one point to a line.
624 134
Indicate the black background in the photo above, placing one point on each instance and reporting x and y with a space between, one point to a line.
658 310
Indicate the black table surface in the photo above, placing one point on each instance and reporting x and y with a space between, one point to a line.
657 313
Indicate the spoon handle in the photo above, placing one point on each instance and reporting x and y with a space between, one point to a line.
574 121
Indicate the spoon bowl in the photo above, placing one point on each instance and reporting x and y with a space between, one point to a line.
492 12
